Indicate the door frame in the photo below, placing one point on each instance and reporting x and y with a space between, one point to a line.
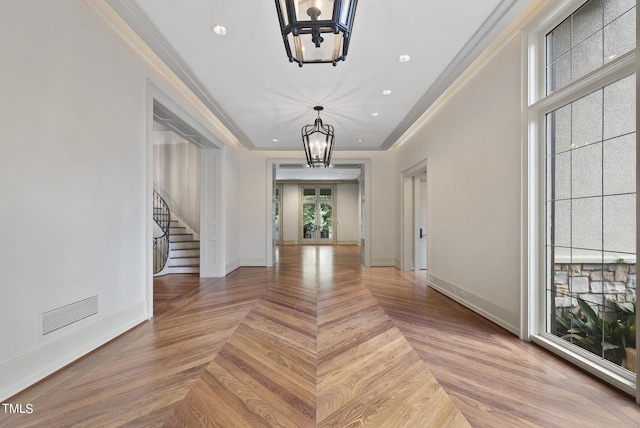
420 202
273 163
212 259
407 215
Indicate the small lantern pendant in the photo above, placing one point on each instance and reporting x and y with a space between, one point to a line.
317 140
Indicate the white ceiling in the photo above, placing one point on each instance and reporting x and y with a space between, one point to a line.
246 79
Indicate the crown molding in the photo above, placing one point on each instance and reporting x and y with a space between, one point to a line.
142 49
449 84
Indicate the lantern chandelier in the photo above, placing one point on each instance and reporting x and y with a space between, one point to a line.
316 31
317 140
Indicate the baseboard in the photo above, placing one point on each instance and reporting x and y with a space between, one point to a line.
230 267
357 242
383 262
500 315
253 262
290 243
27 369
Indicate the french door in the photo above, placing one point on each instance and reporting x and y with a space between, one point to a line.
317 215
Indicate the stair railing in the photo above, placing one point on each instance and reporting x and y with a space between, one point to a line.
162 217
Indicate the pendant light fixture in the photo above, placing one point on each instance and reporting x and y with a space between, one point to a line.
316 31
317 140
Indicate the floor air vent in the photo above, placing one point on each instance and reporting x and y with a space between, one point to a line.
63 316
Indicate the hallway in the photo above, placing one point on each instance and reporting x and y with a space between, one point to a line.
318 341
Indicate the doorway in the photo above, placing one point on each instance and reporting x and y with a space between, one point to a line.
208 206
287 166
317 215
415 227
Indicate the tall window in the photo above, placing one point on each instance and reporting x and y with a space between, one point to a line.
586 116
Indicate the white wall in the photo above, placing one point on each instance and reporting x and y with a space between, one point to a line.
290 213
348 213
232 197
471 138
75 168
385 202
176 176
251 214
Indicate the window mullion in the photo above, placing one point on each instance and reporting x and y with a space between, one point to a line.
615 70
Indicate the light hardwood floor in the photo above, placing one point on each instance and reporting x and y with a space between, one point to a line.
318 341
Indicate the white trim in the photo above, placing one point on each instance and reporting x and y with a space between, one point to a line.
596 259
150 89
637 199
212 220
585 360
133 26
384 262
230 267
253 262
611 72
480 48
212 152
18 373
548 15
513 30
106 12
504 317
406 262
348 242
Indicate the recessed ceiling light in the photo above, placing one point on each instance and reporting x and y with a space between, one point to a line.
404 58
219 30
360 140
275 140
374 114
386 92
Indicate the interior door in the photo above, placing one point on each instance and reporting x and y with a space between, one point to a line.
420 202
318 211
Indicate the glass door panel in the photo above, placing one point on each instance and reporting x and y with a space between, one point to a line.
325 223
309 211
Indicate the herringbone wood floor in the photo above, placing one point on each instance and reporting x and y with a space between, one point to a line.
318 341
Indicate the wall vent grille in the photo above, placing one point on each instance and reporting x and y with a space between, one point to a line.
63 316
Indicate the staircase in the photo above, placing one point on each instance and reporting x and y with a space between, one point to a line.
175 249
184 250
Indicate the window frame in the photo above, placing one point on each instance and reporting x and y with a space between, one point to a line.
536 104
